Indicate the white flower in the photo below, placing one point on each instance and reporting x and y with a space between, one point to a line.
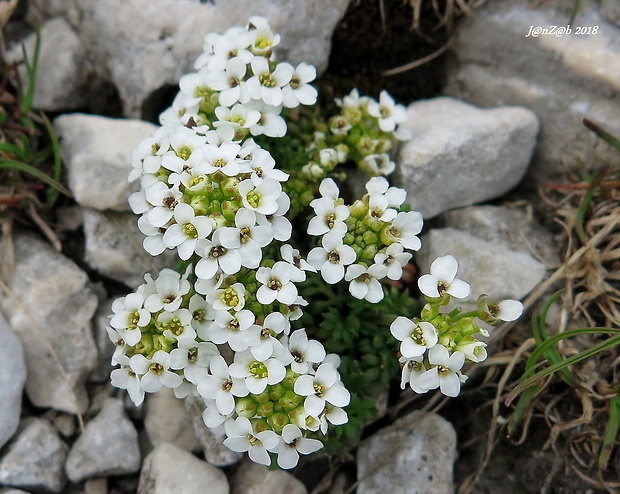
262 39
231 297
129 375
365 281
215 256
146 158
305 352
415 338
158 374
166 291
271 123
237 330
247 237
298 90
129 317
256 374
193 358
329 217
276 284
331 258
153 243
267 85
262 198
405 228
238 117
413 368
229 81
333 415
164 199
292 443
445 373
222 158
507 310
324 387
292 256
187 230
263 167
388 113
473 350
378 164
394 259
220 386
442 279
274 326
176 324
241 438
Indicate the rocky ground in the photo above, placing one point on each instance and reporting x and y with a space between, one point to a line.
496 117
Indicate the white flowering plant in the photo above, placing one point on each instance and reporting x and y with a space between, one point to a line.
277 315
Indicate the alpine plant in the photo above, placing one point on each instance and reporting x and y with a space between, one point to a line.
223 327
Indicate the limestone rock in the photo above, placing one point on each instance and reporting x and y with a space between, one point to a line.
12 380
252 478
560 78
611 11
97 153
489 267
63 70
461 155
35 459
171 469
413 456
108 446
166 421
144 45
211 441
114 248
54 309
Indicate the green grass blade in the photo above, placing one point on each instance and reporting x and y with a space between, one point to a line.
611 432
604 345
583 209
52 194
576 8
522 405
14 149
31 69
603 134
31 170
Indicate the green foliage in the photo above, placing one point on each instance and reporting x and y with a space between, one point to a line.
359 332
29 149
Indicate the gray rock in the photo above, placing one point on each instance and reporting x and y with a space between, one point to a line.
63 70
12 380
413 456
13 491
211 441
171 469
140 50
114 248
52 313
252 478
611 11
561 78
489 267
108 446
461 155
166 421
505 225
35 458
96 151
96 486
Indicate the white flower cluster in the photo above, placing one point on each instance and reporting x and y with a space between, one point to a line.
210 192
364 132
434 352
238 85
363 243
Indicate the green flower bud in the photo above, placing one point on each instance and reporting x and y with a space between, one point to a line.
246 407
260 425
265 409
277 421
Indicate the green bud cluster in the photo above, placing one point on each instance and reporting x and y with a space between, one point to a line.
275 407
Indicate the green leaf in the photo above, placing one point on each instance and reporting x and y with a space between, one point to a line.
31 69
611 431
52 194
31 170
